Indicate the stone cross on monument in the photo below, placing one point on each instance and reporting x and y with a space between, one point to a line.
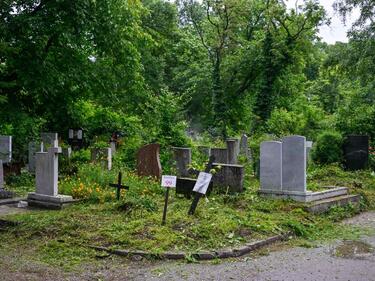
46 179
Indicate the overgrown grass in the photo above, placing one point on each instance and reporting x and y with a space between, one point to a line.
62 238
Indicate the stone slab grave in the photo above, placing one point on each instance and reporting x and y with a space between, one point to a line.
220 154
32 149
48 140
46 179
6 149
102 155
244 147
356 152
182 159
233 150
148 161
5 158
283 171
229 176
75 138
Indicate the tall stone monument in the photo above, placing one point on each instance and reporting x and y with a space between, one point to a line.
271 165
46 178
356 152
148 161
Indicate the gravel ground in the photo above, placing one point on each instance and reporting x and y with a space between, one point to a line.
341 260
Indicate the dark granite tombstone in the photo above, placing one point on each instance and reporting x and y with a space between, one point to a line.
356 152
75 138
148 161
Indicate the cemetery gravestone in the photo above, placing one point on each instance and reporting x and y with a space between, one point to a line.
232 150
309 145
48 140
75 138
294 164
182 157
356 152
271 165
229 176
112 145
46 179
31 156
244 147
148 161
119 186
6 149
1 175
220 154
103 155
66 152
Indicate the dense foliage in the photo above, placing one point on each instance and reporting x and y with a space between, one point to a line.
154 69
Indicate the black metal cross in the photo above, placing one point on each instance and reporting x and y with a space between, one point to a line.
118 185
198 196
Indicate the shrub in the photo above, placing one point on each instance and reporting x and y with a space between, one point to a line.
328 148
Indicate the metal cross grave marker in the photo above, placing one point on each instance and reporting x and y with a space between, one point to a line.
118 185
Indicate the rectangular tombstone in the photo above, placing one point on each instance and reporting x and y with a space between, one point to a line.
46 180
1 175
46 172
233 149
309 145
271 165
356 152
102 155
148 161
6 149
229 175
221 155
294 164
48 140
182 157
67 152
33 147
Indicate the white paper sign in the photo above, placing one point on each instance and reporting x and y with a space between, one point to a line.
202 183
168 181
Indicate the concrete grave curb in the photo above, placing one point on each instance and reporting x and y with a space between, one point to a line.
220 254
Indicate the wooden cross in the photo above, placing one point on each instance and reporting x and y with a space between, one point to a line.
198 195
118 185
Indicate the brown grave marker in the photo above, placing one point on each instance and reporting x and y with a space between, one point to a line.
148 161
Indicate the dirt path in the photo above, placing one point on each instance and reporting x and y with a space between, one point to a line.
342 260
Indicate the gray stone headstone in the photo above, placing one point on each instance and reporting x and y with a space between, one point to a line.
104 155
244 147
229 175
33 148
221 155
1 175
294 164
46 171
46 179
48 140
271 165
6 149
182 157
232 150
309 145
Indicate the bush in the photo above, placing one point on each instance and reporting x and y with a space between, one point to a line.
328 148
